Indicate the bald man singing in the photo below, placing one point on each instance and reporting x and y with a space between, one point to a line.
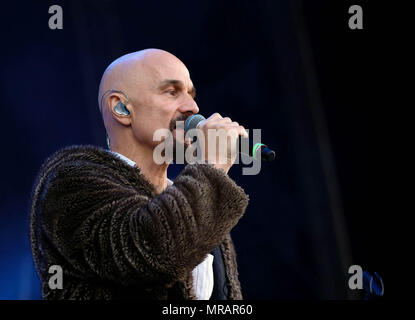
113 224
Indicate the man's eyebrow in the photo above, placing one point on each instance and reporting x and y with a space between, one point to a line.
172 82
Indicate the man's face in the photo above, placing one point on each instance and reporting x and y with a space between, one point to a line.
163 93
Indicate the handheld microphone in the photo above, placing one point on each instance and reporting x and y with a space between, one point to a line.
266 153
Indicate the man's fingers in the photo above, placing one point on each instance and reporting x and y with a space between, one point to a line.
209 121
217 125
240 130
216 122
215 116
243 133
230 126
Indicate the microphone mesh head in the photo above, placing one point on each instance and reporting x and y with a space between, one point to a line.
193 121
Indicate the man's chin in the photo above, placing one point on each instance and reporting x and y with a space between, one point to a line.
180 146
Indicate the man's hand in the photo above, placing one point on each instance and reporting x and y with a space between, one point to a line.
218 140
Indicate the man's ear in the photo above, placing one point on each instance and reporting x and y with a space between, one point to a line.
119 110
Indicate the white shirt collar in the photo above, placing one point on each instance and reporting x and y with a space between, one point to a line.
132 163
122 157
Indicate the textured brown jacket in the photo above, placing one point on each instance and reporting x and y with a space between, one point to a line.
102 221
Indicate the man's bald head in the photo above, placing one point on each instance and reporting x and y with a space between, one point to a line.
126 72
159 90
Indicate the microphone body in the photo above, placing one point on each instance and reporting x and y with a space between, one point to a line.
266 154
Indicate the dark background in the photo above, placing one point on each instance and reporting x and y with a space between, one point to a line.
321 93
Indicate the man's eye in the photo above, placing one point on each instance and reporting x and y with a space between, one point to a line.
172 92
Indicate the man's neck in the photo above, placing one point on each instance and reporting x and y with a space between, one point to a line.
143 157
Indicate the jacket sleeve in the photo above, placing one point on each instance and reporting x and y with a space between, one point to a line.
105 229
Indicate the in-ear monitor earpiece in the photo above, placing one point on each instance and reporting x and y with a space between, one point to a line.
121 109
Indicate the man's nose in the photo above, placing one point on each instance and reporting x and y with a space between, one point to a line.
189 108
